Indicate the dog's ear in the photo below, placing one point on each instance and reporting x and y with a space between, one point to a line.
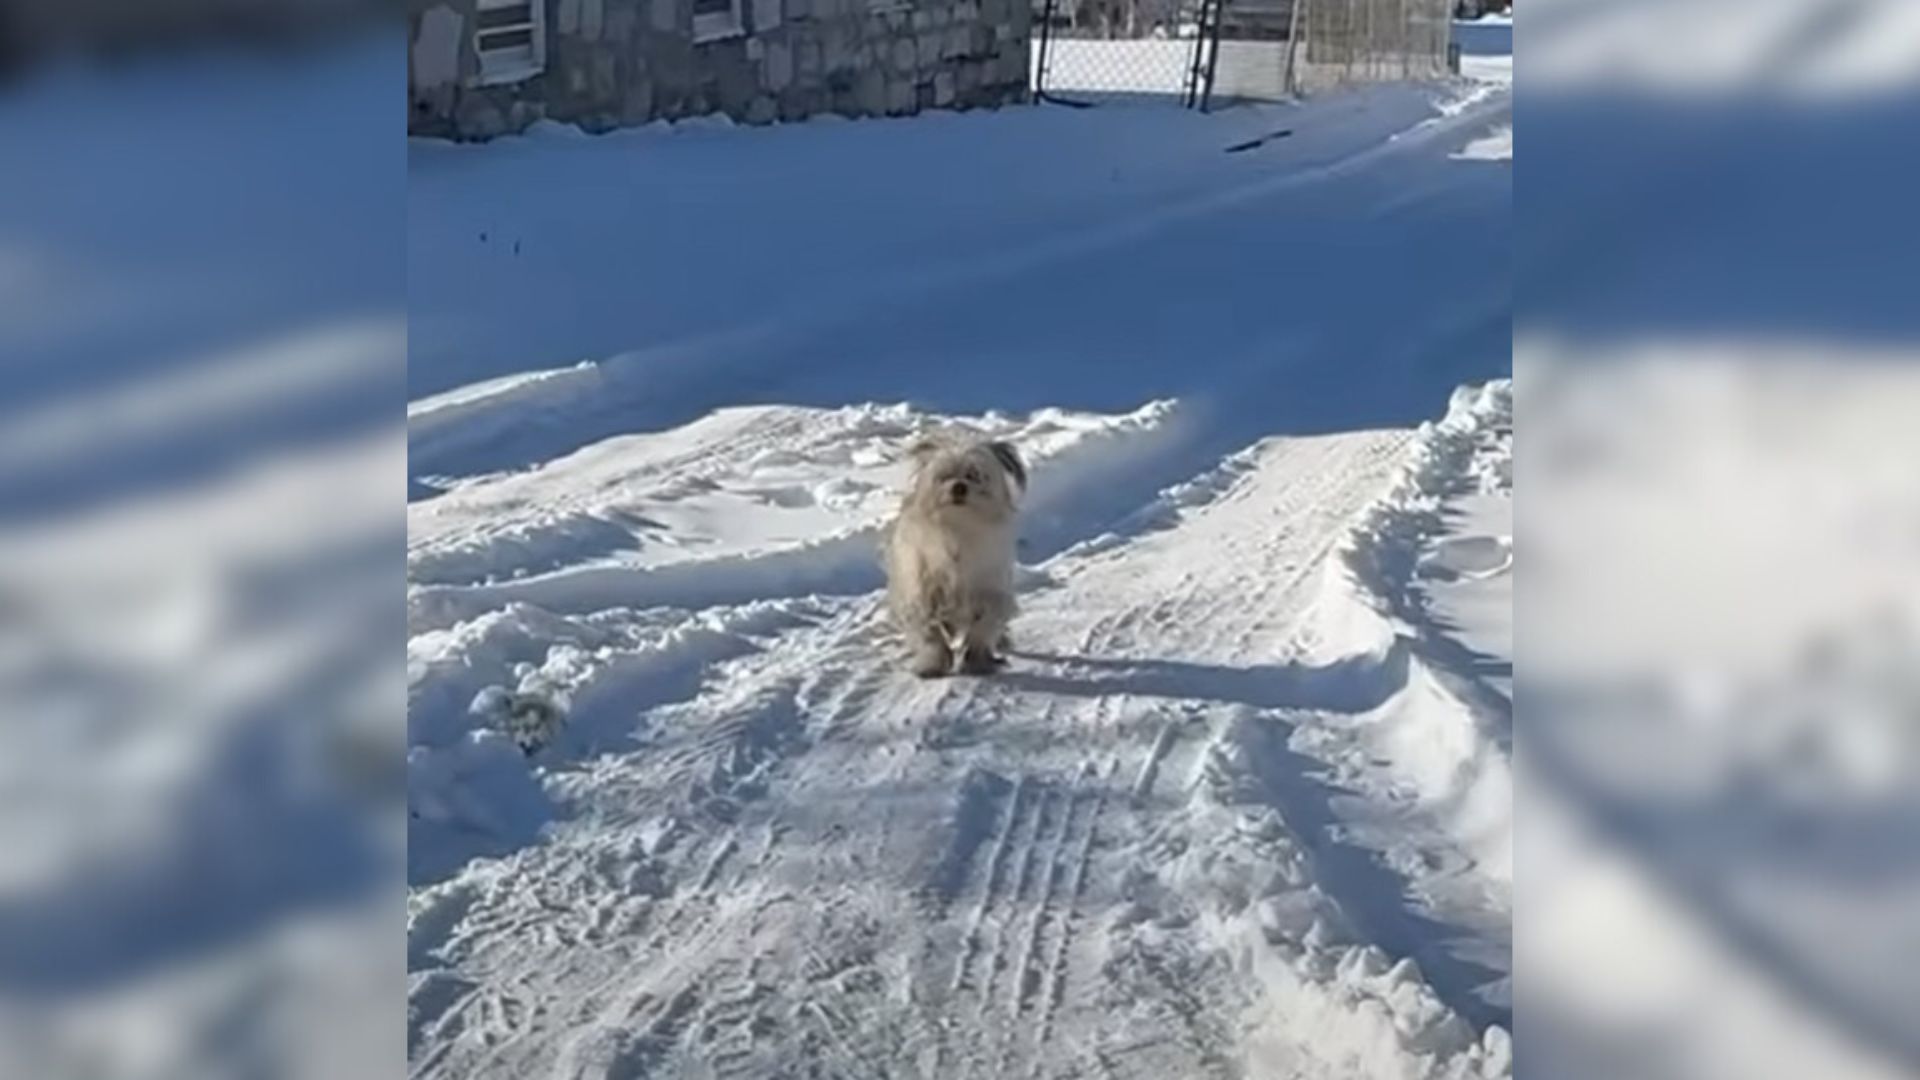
1009 459
923 448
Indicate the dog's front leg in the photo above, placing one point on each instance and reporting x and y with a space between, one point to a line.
986 637
932 655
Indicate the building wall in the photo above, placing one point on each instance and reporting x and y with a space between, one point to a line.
623 62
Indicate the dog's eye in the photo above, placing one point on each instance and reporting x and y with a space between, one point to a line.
974 477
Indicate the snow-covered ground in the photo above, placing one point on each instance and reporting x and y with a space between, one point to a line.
1240 805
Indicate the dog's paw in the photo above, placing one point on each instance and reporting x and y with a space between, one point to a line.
932 663
980 662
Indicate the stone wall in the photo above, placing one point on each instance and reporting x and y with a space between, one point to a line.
622 62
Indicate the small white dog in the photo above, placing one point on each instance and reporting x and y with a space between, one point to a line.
950 553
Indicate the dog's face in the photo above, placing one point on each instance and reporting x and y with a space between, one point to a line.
955 479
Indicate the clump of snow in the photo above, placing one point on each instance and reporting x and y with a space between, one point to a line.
1496 145
1326 988
530 720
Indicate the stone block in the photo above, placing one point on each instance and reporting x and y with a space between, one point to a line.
901 97
838 52
766 15
762 110
606 75
779 66
593 21
736 78
1012 67
943 92
430 112
957 43
799 104
523 113
904 55
666 15
620 25
478 118
928 47
808 58
436 48
636 106
871 92
671 61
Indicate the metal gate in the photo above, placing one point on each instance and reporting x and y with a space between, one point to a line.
1200 52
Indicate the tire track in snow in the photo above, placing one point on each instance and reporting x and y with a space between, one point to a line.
1055 976
728 1016
1012 963
1037 911
964 976
1005 907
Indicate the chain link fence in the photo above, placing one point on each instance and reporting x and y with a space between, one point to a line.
1202 52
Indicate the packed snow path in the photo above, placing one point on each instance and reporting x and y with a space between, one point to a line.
1112 859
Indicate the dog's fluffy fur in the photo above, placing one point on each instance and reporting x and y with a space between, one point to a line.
950 553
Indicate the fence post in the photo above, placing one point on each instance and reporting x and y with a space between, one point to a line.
1292 88
1404 41
1046 41
1373 42
1213 54
1347 37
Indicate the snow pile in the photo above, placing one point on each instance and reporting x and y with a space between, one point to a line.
1432 758
1325 986
1496 145
495 700
1468 450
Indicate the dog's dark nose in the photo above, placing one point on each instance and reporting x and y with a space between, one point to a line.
958 490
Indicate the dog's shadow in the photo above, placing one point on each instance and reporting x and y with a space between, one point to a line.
1356 684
